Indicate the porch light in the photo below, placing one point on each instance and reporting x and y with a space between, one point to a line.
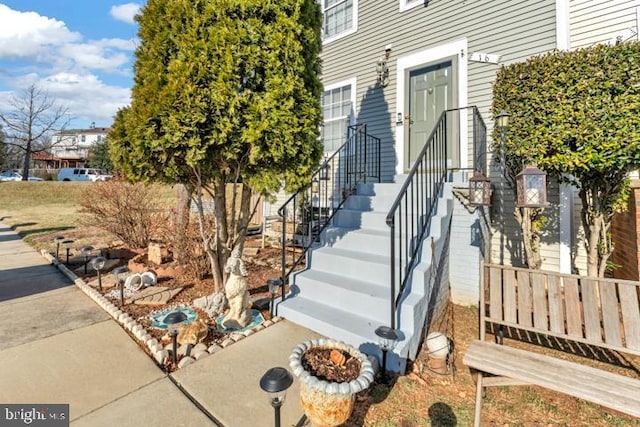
479 189
388 338
86 251
275 382
502 119
119 273
57 240
66 244
98 264
324 171
171 320
532 187
274 285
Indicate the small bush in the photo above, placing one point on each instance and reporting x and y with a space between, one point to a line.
132 212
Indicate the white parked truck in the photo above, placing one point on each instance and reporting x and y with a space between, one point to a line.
83 174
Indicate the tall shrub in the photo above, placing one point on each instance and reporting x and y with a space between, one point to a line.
577 115
225 91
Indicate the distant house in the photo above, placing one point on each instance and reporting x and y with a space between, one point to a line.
70 148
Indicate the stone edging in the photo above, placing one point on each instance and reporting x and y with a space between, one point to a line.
160 353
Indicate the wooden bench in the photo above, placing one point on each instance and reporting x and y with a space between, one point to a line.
572 312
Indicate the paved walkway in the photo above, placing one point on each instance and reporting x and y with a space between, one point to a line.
58 346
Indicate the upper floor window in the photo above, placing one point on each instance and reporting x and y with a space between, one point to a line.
83 138
408 4
337 104
340 18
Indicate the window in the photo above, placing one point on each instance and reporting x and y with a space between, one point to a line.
83 138
337 105
409 4
340 18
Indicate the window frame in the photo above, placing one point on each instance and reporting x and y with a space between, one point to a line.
354 23
352 115
409 4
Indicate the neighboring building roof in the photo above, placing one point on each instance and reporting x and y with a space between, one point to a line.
84 131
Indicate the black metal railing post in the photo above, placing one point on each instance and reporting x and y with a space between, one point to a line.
336 179
410 215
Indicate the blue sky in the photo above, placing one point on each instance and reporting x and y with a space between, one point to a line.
79 51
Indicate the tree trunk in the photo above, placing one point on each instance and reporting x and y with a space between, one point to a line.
27 159
530 237
183 208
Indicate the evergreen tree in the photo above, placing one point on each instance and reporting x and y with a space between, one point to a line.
99 156
226 91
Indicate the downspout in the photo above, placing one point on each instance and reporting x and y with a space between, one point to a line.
563 42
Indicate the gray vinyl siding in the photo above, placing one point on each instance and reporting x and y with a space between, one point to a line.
513 29
599 21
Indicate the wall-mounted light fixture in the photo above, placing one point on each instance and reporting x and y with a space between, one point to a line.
382 69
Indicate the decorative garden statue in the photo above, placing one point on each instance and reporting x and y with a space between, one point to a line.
235 289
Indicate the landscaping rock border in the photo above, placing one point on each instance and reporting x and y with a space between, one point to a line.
158 352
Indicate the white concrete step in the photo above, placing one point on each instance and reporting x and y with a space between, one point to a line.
372 297
350 263
344 325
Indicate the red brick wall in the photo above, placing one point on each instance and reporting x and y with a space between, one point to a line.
626 238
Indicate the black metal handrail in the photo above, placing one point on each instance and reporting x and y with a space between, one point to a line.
309 211
410 215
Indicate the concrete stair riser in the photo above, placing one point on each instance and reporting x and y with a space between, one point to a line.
350 264
339 296
341 292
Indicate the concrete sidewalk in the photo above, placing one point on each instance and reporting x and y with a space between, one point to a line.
58 346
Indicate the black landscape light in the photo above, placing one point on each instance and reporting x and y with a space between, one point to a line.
57 240
67 245
86 251
388 338
273 285
119 273
98 264
531 185
171 320
275 382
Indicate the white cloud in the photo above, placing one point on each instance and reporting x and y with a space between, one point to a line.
28 34
93 57
125 12
87 97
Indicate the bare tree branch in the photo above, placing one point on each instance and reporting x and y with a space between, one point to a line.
33 119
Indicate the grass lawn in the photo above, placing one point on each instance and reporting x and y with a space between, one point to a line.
38 210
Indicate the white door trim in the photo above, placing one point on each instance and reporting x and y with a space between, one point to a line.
456 49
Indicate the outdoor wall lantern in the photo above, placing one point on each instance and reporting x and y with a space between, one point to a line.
273 285
382 69
531 184
86 251
324 171
479 189
172 319
388 338
67 245
120 273
275 382
57 240
98 264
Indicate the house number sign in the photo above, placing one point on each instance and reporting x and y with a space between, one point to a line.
487 58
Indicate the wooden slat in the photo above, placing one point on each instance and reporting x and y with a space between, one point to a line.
540 313
584 382
509 290
495 293
610 313
589 291
525 306
556 309
573 307
630 315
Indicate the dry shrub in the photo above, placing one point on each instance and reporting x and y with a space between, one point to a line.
132 212
195 259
